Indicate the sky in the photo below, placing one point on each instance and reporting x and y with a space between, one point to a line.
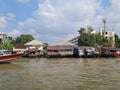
54 21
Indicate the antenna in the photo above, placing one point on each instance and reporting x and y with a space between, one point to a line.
104 22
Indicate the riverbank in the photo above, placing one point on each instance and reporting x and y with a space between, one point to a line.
70 51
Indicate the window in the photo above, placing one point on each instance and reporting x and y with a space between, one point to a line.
1 53
106 33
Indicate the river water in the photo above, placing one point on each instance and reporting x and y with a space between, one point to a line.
61 74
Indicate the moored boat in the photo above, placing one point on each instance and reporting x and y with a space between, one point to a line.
6 56
117 54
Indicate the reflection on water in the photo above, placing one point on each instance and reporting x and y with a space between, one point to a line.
7 66
61 74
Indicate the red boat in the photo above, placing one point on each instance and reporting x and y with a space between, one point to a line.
6 55
117 54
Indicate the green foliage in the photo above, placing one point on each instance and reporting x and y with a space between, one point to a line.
22 39
82 30
45 46
102 41
89 29
88 39
44 50
117 41
6 44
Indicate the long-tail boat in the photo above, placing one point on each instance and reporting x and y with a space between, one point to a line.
6 55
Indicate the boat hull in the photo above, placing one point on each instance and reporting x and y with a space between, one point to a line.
9 57
117 55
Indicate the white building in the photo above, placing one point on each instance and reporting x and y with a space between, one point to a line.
34 44
93 32
2 36
74 41
108 35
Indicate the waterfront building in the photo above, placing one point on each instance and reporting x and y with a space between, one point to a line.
34 48
2 36
19 49
34 44
66 48
74 40
53 51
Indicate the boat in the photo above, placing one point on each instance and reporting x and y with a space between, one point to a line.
6 56
117 54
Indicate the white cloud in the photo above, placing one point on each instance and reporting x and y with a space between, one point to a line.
112 14
27 25
46 14
10 16
116 4
33 31
3 22
60 19
57 20
15 32
5 19
24 1
27 22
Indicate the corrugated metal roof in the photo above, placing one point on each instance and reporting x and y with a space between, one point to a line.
34 43
65 43
54 48
66 47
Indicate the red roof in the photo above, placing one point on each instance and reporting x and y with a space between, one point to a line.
53 48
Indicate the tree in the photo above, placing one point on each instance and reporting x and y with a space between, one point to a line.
102 41
117 41
82 30
22 39
6 44
89 39
89 29
86 39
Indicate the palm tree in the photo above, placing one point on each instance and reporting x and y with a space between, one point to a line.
6 44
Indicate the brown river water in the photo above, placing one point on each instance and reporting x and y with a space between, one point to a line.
61 74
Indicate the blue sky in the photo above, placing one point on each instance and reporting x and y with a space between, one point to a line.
54 21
